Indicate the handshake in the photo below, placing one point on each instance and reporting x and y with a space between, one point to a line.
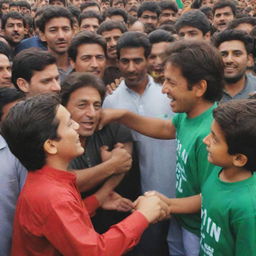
154 206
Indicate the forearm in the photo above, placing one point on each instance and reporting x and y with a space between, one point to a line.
90 177
185 205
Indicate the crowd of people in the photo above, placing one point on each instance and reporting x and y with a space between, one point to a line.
127 127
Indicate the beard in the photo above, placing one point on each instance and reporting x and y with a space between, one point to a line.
234 79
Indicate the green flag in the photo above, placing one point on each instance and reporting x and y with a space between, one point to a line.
179 3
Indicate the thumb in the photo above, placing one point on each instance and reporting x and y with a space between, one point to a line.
104 148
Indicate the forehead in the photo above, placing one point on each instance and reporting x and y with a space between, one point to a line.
159 48
187 29
58 22
90 49
131 53
232 45
147 12
87 93
112 32
90 20
49 70
223 10
16 21
174 72
4 60
62 114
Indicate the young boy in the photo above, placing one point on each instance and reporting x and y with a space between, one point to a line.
228 214
51 218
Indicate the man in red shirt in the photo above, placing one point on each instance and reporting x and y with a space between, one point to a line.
51 218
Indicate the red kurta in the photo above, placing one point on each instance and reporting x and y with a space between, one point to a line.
51 219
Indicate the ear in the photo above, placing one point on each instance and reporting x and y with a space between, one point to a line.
200 88
207 36
50 147
42 36
250 61
23 84
240 160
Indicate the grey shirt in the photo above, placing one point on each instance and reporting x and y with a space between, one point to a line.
12 178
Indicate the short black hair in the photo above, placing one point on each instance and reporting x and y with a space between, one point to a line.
13 15
159 36
51 12
168 5
77 80
230 35
149 6
9 95
116 11
222 4
28 125
87 15
87 4
236 22
28 61
109 25
75 11
194 18
198 60
24 4
85 37
5 50
237 120
133 40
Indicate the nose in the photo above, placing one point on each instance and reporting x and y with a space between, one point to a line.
6 74
91 29
206 140
159 60
165 88
94 62
55 87
228 58
60 33
112 42
131 67
91 111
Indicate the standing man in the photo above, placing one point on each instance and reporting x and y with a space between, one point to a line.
236 49
140 94
56 28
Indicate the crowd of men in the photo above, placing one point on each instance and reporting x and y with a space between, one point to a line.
143 109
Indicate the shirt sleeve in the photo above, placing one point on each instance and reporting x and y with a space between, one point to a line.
69 229
91 204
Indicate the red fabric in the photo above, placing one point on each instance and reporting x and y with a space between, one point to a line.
51 219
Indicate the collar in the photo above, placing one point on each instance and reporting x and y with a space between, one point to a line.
3 143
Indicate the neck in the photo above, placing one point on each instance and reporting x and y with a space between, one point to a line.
200 107
139 87
57 163
234 88
234 174
82 140
62 60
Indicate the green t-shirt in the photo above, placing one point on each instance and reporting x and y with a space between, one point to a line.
192 167
228 217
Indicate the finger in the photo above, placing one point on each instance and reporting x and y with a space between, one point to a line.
104 148
119 145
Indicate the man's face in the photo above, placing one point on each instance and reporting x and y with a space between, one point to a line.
90 58
118 4
5 71
58 34
5 8
155 63
176 88
111 38
222 17
133 65
68 145
25 11
77 3
167 15
41 3
189 33
149 18
84 106
89 24
130 4
245 27
44 81
57 3
14 30
104 5
235 60
208 3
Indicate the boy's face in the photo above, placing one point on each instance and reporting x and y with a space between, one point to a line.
175 86
68 146
217 147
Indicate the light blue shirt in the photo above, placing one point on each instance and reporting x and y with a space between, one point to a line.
157 158
12 178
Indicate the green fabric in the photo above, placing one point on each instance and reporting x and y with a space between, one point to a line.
228 217
180 4
192 167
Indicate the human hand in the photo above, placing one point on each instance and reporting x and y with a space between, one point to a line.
112 87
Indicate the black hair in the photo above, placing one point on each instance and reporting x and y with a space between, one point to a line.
85 37
28 61
133 40
198 61
237 120
77 80
230 35
194 18
12 15
89 14
109 25
222 4
116 11
168 5
149 6
28 125
87 4
5 50
24 4
236 22
51 12
75 11
159 36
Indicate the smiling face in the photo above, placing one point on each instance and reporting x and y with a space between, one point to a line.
58 34
85 107
235 60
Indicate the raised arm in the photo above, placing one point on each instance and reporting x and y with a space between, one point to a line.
152 127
